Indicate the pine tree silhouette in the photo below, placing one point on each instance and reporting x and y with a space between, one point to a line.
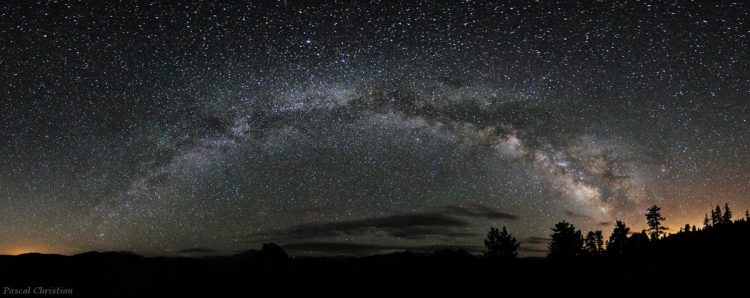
500 245
706 222
618 240
654 219
727 217
567 242
747 215
599 241
636 243
687 228
594 243
716 216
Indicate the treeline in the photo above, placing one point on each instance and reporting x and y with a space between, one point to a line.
568 242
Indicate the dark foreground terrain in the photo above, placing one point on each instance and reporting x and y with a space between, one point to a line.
709 263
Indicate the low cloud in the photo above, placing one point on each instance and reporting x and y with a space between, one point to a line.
407 225
450 222
574 214
196 250
338 248
537 240
353 248
480 211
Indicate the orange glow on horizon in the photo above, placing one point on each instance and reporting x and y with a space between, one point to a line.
30 248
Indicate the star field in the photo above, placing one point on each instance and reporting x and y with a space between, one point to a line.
362 127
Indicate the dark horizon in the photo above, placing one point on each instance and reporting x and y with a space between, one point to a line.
626 260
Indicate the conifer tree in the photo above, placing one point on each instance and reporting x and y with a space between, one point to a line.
706 222
654 219
618 240
594 243
727 217
716 216
567 242
500 245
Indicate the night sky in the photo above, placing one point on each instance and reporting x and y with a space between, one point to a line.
359 128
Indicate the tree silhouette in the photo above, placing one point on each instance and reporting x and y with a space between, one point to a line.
706 222
654 219
599 241
727 217
618 240
747 215
567 242
594 243
694 229
687 228
636 243
716 216
500 245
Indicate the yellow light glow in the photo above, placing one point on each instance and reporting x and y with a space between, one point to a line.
24 249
